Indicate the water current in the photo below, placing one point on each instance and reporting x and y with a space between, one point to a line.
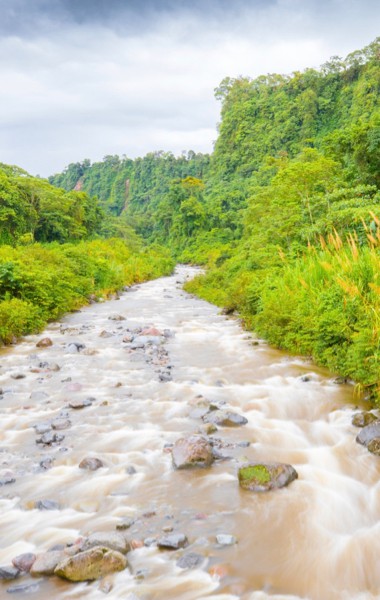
317 539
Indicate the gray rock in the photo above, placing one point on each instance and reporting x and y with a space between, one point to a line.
224 539
150 541
24 562
225 418
46 563
191 560
105 334
192 451
61 423
368 434
125 524
91 564
9 572
46 505
105 539
42 428
77 404
91 463
173 541
116 318
50 438
263 477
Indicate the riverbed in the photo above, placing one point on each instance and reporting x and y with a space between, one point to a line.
316 539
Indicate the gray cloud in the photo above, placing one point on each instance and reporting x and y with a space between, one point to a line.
85 79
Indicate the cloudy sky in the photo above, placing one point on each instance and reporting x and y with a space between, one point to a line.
86 78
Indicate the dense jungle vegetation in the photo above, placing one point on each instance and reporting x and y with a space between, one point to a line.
285 213
54 255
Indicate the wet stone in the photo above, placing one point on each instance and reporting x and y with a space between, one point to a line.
50 438
61 423
8 573
44 343
192 451
18 375
225 418
105 334
263 477
77 404
150 541
46 563
111 540
46 505
364 418
116 318
173 541
91 463
91 564
368 433
224 539
191 560
374 446
42 428
24 562
125 524
46 463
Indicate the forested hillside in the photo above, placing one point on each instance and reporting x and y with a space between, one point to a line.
286 214
54 255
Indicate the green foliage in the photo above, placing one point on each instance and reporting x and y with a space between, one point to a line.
40 283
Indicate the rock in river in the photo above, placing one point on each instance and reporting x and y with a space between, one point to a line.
91 463
91 564
363 418
370 438
174 541
110 540
44 343
46 563
24 562
262 477
225 418
192 451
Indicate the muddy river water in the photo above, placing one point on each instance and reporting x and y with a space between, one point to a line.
317 539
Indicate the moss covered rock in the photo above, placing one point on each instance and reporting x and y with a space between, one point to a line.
262 477
92 564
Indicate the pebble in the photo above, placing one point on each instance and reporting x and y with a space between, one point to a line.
18 375
224 539
125 524
7 478
60 423
41 428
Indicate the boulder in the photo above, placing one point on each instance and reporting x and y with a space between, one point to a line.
46 563
368 435
263 477
225 418
91 564
192 451
112 540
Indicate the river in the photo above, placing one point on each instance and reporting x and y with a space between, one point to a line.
317 539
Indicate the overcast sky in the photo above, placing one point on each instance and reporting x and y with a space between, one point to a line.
86 78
